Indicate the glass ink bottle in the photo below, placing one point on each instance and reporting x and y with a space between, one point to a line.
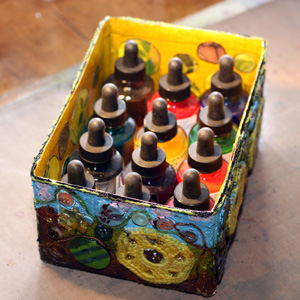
150 162
219 119
77 175
134 86
171 137
134 188
191 193
206 157
229 84
175 88
112 110
99 157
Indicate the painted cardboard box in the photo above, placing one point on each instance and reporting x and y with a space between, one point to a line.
110 235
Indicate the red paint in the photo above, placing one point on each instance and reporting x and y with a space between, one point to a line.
181 109
213 181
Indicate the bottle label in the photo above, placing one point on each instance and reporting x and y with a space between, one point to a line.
187 123
227 157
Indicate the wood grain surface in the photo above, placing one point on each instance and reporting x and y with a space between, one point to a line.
41 37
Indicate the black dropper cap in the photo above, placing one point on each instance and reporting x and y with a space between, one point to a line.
160 121
190 193
130 67
110 108
133 187
77 175
205 155
216 116
95 146
226 81
174 85
148 160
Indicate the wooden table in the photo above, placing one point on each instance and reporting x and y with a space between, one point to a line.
264 260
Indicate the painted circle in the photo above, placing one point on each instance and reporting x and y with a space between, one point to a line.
103 232
148 53
89 253
244 62
140 219
65 199
52 168
210 52
165 224
189 63
79 116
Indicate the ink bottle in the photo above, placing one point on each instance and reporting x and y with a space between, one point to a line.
206 157
134 86
171 137
77 175
229 84
175 87
112 110
219 119
150 162
191 193
134 188
99 157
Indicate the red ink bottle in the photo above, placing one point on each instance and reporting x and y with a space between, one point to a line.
206 157
171 137
175 87
150 162
112 110
134 86
229 84
99 157
191 193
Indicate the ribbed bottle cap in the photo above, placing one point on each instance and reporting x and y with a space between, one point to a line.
205 155
130 67
77 175
133 187
226 81
160 121
174 85
216 116
148 160
190 193
95 146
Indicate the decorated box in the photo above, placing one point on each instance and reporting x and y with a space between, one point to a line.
145 242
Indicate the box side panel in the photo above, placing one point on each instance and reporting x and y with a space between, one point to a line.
116 237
